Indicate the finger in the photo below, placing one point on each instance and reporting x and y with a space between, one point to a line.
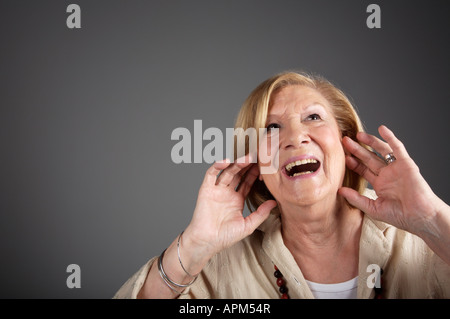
381 147
249 179
214 170
237 179
256 218
360 169
227 175
368 158
397 146
361 202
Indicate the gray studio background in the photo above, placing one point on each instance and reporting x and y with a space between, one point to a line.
86 115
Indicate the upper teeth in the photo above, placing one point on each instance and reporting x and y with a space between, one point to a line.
300 162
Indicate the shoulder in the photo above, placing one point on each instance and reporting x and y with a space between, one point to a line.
236 272
412 269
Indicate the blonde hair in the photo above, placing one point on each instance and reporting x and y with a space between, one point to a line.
254 112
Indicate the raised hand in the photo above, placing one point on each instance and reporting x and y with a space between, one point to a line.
218 220
405 200
217 223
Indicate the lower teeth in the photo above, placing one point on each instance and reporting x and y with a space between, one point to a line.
302 173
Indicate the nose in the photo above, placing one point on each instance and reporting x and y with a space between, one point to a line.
295 135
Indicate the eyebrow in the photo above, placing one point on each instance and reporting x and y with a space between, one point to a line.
316 104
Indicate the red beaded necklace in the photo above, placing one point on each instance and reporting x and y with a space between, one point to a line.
281 283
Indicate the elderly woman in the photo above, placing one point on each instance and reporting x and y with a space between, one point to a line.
316 230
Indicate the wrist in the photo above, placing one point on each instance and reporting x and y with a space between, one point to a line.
193 255
436 220
436 230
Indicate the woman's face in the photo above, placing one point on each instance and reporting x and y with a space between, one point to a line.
311 156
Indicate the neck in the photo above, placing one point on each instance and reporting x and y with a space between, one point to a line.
321 235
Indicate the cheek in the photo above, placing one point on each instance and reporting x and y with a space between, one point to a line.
331 136
333 150
269 154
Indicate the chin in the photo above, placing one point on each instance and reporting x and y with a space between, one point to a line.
309 194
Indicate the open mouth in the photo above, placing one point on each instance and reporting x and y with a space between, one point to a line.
302 167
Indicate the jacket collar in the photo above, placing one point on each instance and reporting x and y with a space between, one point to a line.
375 248
273 246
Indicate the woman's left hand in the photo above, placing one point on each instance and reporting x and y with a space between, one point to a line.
405 200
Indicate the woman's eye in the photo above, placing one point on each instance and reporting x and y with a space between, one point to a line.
272 126
313 117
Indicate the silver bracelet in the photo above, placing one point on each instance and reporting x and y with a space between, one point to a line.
179 258
166 279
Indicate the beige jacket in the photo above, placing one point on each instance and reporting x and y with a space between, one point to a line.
245 270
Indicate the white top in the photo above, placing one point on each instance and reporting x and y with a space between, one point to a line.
342 290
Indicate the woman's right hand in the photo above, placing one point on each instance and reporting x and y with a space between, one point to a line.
218 220
217 223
